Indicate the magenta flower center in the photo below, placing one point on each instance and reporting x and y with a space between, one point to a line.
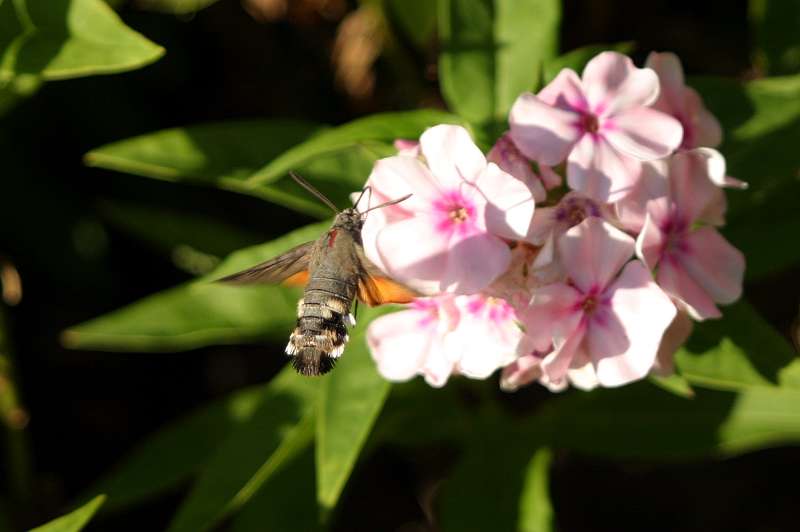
573 211
492 308
589 304
590 123
675 232
454 212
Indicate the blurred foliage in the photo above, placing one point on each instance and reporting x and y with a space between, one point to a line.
279 456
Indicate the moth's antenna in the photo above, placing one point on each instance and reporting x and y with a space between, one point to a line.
363 191
309 187
386 204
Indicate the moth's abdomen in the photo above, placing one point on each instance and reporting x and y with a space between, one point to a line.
321 332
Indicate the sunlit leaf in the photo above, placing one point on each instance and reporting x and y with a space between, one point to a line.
493 50
349 403
674 383
641 421
75 520
61 39
178 451
277 432
576 59
369 135
761 120
416 18
499 483
17 90
201 312
287 501
535 509
737 352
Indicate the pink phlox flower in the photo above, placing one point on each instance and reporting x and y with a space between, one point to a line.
549 223
412 341
676 335
521 372
700 127
693 261
517 283
606 321
708 166
449 235
600 123
507 156
438 337
407 147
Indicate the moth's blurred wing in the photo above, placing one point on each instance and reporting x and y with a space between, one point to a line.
290 268
375 288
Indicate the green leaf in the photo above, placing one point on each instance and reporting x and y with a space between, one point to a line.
674 383
640 421
369 135
73 521
278 431
222 154
500 482
761 119
493 50
416 19
776 24
201 312
178 451
349 403
535 509
61 39
285 502
576 59
16 90
740 351
193 241
175 7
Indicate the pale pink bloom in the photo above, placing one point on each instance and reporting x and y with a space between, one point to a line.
706 169
676 335
487 337
521 372
507 156
700 128
600 123
606 322
412 342
443 336
549 223
517 283
695 264
448 236
407 147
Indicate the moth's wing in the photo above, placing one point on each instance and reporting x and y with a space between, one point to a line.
290 268
375 288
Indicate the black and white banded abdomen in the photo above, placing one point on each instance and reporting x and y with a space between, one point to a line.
321 332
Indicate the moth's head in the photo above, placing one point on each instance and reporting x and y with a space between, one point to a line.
349 219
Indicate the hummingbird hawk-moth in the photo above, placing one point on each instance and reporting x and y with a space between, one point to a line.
334 270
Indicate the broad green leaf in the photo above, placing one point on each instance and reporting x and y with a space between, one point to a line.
369 135
777 25
178 451
175 7
674 383
416 19
350 399
493 50
61 39
278 431
535 509
286 501
16 90
576 59
640 421
201 312
73 521
499 483
224 155
740 351
761 120
194 242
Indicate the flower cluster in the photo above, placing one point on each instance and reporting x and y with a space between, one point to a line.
594 284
